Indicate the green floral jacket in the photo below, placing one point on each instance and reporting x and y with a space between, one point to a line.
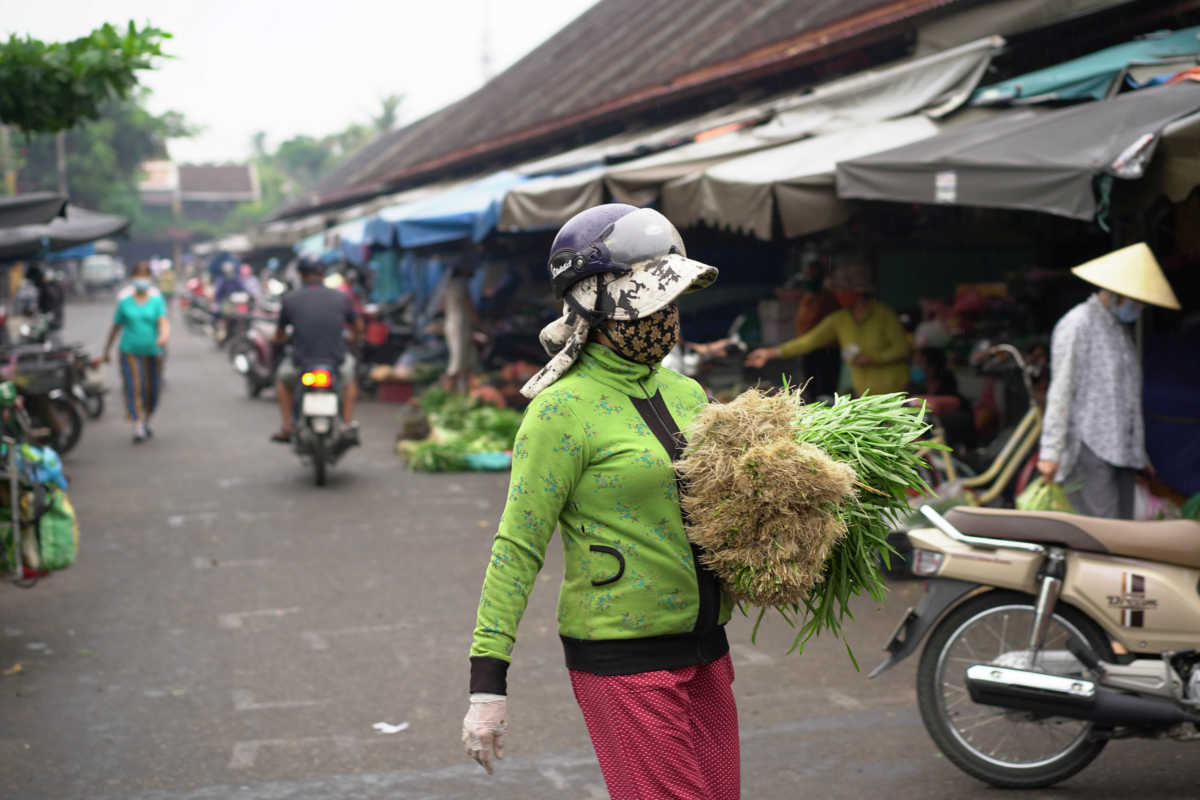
591 457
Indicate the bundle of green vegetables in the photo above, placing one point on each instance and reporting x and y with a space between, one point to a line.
1044 495
791 504
459 427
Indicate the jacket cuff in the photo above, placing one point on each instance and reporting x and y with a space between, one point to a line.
790 349
489 675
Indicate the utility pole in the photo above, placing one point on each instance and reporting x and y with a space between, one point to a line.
6 156
60 147
485 55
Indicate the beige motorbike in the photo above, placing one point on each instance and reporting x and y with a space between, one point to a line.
1050 634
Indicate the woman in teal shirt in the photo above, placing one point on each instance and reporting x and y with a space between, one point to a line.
141 319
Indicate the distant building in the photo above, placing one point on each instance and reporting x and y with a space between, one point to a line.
200 192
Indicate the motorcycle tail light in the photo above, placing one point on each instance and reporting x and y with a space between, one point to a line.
926 562
317 379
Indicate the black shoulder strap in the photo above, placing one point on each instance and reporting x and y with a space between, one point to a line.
658 417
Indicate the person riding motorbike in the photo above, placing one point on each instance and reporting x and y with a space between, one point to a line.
318 316
228 284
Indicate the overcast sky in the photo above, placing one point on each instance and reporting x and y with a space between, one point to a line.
299 66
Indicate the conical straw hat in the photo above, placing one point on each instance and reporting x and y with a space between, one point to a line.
1131 271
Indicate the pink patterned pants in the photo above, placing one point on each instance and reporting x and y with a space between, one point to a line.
664 735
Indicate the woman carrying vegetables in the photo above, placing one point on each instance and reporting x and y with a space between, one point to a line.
641 620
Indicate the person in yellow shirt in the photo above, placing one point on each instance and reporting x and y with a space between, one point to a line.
869 333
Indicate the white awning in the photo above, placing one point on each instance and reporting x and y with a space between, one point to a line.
797 177
934 84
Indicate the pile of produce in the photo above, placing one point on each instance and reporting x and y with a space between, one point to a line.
1043 495
791 504
464 434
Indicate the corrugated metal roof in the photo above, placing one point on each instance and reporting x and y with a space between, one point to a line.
234 179
618 54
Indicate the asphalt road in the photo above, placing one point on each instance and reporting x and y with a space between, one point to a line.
232 632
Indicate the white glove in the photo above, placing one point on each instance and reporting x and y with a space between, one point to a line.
484 727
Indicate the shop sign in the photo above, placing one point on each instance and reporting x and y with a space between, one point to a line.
945 185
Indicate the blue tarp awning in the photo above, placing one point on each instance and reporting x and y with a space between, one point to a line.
466 212
1091 77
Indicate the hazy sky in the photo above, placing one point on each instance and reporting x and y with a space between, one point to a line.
301 66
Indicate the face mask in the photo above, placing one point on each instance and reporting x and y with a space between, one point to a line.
141 284
846 297
1128 310
647 340
916 375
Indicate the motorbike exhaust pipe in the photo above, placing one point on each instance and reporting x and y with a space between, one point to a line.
1074 698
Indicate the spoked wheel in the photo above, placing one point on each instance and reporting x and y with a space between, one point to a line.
65 422
1006 748
93 405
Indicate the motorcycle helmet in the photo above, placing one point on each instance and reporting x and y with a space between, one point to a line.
613 261
308 263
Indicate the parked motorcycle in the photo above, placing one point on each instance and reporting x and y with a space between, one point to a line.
388 333
195 304
87 389
318 433
1050 634
253 355
45 380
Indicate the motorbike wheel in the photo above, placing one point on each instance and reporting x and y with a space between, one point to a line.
95 405
65 422
318 459
1006 748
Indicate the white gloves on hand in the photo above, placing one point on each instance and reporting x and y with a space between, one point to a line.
484 727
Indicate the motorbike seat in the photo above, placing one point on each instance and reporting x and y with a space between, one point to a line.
1169 541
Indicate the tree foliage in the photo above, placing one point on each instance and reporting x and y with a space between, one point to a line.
48 87
104 156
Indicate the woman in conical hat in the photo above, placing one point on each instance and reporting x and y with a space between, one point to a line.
1093 436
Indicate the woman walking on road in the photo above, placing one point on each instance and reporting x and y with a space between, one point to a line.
141 320
641 620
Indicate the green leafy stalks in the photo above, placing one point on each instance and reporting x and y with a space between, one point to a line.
880 436
460 426
791 504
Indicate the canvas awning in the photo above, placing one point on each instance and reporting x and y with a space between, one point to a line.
1096 75
936 84
1045 161
78 226
798 178
547 202
469 211
34 208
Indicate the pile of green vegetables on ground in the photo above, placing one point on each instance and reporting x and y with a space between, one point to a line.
791 504
459 427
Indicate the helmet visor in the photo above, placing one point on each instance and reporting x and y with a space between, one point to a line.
641 235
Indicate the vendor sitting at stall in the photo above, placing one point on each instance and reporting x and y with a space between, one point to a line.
868 332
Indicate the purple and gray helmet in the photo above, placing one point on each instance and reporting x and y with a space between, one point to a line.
609 238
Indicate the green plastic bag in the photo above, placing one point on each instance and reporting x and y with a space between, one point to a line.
58 532
1042 495
54 542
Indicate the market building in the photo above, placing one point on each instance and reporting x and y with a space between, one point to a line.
970 151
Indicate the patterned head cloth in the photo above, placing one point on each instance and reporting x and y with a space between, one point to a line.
649 286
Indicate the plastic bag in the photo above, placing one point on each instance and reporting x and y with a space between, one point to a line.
1042 495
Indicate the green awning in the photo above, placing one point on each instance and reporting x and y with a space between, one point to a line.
1092 77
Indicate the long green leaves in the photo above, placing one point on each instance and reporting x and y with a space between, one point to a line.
880 437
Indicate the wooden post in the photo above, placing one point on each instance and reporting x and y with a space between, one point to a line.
60 147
